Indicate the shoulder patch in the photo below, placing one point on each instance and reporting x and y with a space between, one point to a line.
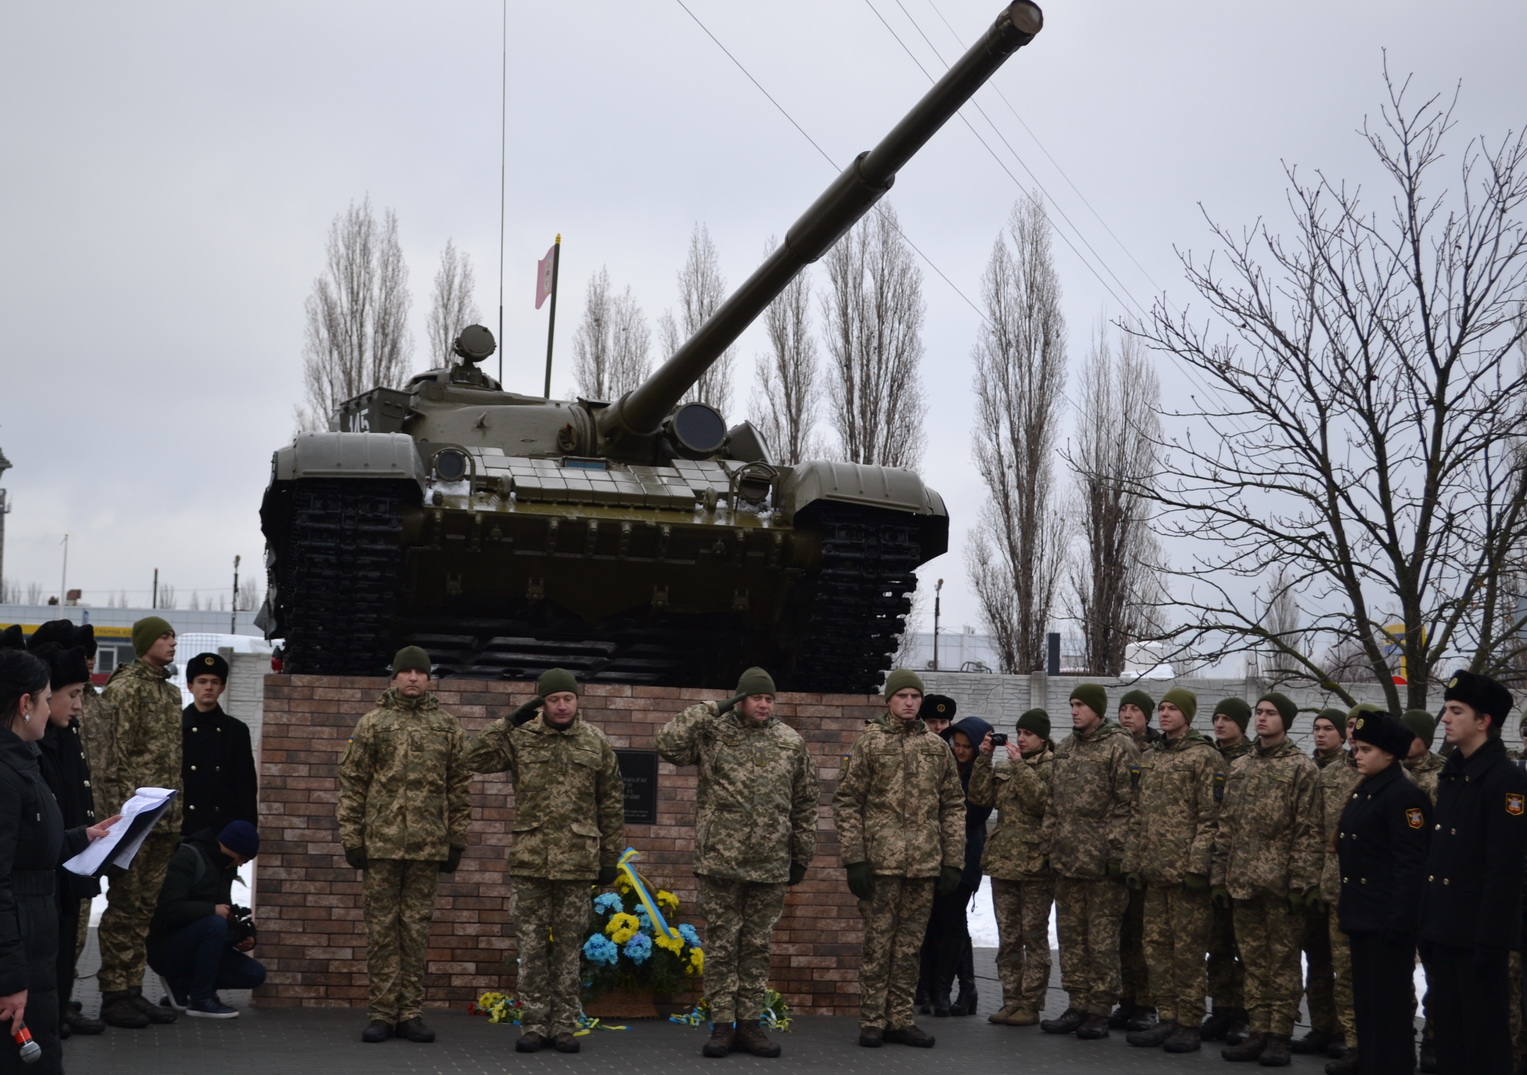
1219 787
1514 803
1413 817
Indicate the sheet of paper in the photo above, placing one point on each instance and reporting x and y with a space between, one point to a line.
118 847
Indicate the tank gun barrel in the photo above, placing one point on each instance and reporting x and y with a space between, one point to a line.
640 412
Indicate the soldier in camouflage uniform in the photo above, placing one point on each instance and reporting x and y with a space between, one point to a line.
755 833
1086 828
1424 767
1330 731
1135 1011
1171 847
92 716
1016 859
137 741
1227 977
1333 787
569 828
404 807
1267 862
900 814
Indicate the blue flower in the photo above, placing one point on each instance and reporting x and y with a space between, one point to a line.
606 902
691 937
600 949
638 948
641 917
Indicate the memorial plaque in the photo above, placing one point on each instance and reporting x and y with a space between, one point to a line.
638 768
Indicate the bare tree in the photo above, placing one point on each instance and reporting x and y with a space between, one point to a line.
1282 619
1116 581
357 315
612 347
34 593
785 403
249 595
1017 553
10 592
872 313
452 304
195 600
702 288
1354 433
166 596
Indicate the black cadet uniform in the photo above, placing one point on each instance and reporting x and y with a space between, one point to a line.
217 768
1381 845
1471 907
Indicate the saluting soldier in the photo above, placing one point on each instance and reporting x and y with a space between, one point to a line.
217 765
404 806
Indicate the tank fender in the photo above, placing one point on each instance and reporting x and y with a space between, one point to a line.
383 456
884 488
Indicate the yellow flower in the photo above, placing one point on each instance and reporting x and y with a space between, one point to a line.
671 943
622 927
666 900
697 960
622 883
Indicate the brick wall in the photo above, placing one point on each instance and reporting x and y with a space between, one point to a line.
309 901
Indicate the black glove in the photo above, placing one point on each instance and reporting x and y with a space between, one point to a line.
730 704
797 873
948 880
526 712
861 880
1219 895
607 874
452 860
1490 962
356 857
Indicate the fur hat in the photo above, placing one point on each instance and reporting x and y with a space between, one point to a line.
1481 694
937 707
1384 731
212 664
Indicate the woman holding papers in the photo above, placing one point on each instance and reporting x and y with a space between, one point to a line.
32 844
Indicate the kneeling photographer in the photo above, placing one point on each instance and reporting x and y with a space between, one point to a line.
197 940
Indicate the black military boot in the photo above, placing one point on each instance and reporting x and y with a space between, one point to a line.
1215 1024
154 1013
1184 1039
922 1001
1141 1017
1277 1054
1093 1028
1064 1023
1153 1038
722 1036
1119 1019
1346 1065
118 1010
752 1039
1315 1042
965 1003
1240 1027
1249 1049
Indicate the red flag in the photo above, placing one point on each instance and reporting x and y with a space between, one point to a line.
543 276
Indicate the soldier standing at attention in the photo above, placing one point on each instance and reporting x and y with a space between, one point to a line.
1424 766
217 767
1171 848
404 807
1022 884
1471 901
1086 827
139 746
1334 787
569 825
755 833
1133 1012
1267 861
900 814
1226 1020
1320 973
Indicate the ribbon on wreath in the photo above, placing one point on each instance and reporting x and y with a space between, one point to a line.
659 923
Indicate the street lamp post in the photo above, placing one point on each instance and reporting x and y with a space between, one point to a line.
938 590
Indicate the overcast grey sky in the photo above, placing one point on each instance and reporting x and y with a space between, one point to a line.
168 173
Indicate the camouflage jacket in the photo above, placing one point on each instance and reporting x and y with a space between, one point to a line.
404 787
135 740
1020 790
1091 794
569 799
1424 771
1323 760
899 804
93 733
1176 816
1269 835
1333 787
1240 750
756 809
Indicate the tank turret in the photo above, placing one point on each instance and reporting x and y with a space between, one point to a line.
637 541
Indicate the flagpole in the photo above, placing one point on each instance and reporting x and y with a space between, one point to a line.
551 325
503 140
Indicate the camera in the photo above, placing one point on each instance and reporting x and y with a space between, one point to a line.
998 739
241 925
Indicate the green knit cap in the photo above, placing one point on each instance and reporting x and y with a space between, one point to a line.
555 681
1139 698
1236 709
1337 717
1036 721
1422 723
1364 707
1093 696
755 681
1184 700
1285 706
147 631
902 678
410 659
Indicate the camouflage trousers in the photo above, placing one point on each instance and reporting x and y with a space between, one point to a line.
1134 977
551 920
895 919
1088 915
1267 936
131 896
399 899
1023 939
1176 937
739 925
1343 1010
1320 972
1227 975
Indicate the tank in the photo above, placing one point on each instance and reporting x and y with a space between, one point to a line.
636 540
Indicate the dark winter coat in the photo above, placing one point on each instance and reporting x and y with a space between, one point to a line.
66 771
217 771
1381 844
974 729
199 878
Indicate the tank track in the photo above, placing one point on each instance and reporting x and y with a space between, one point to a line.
337 577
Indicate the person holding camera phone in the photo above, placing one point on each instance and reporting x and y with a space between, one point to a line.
197 939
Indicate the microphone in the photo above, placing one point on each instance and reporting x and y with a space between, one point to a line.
31 1052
